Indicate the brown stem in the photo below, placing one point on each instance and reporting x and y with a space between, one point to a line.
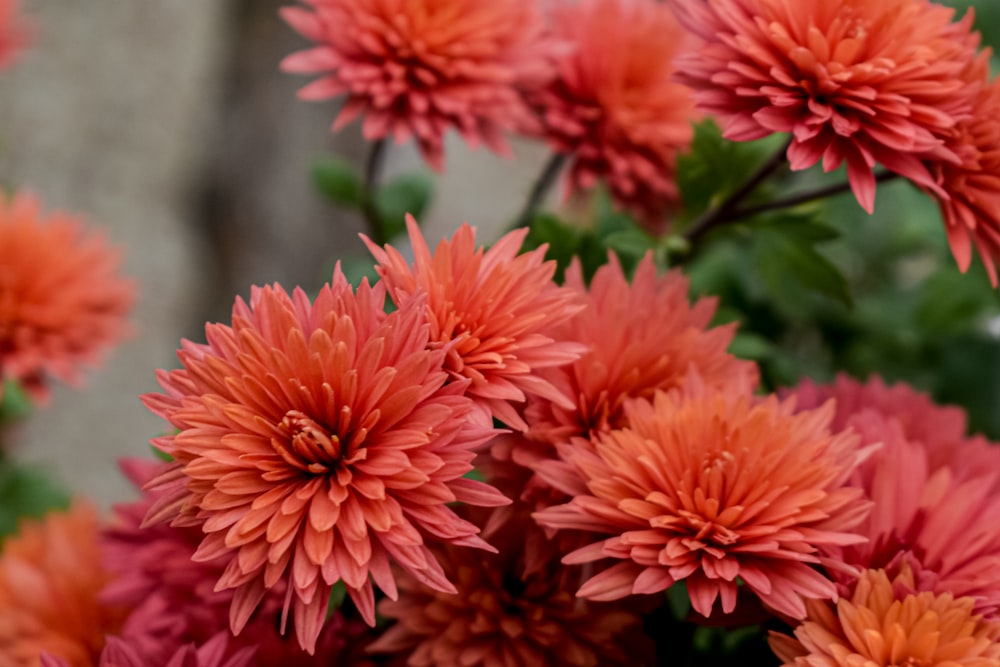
803 197
373 165
540 188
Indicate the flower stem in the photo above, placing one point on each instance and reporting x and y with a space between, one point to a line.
373 165
722 213
803 197
540 188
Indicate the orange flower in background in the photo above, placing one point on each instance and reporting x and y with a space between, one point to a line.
50 578
613 108
62 301
883 624
853 81
415 68
504 614
714 488
318 442
13 33
971 205
489 310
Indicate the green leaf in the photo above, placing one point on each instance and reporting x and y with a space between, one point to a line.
339 181
410 193
631 242
15 404
337 596
564 242
679 600
26 492
951 302
474 474
789 264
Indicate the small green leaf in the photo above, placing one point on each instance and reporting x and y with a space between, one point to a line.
475 475
339 181
679 600
409 193
337 596
15 404
787 263
564 242
631 242
26 492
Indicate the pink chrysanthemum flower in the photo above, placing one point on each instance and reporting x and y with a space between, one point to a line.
884 624
173 600
505 615
714 488
853 81
13 33
120 653
489 309
62 301
416 68
971 209
318 442
613 107
50 577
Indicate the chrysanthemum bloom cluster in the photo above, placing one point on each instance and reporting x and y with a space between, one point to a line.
853 81
714 488
935 492
415 68
13 33
214 653
489 310
613 108
50 577
62 300
172 598
319 442
504 615
883 624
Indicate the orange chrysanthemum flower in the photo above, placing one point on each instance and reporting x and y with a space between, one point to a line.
214 653
13 33
884 624
504 614
50 578
853 81
62 301
971 209
489 310
713 488
613 106
416 68
318 442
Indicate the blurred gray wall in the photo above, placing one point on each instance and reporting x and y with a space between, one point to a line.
169 124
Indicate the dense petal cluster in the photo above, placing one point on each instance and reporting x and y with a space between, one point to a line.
13 33
120 653
853 81
884 624
415 68
613 107
714 488
318 442
50 577
503 614
489 310
62 301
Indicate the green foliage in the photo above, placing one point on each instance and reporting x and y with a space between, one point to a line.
339 181
15 404
786 257
337 596
409 193
25 492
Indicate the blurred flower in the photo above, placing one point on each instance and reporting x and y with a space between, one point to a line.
971 207
883 624
613 107
852 81
173 600
503 615
13 33
214 653
488 309
50 577
714 488
415 68
317 443
62 301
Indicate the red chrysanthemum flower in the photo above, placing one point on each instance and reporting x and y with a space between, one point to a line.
416 68
713 488
62 301
318 442
174 603
489 309
13 33
50 577
853 81
504 614
214 653
884 624
613 107
971 209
